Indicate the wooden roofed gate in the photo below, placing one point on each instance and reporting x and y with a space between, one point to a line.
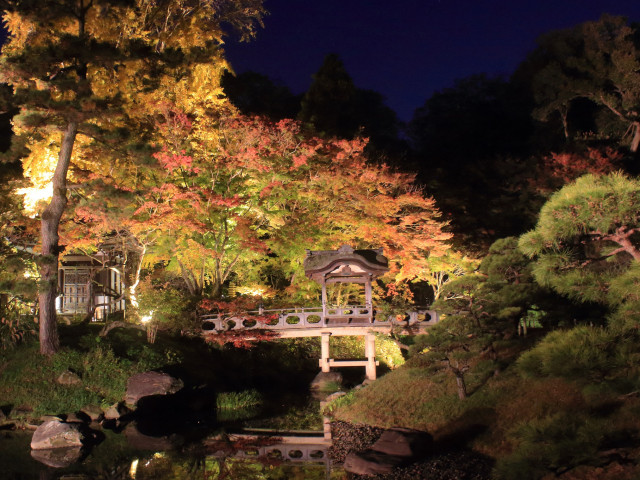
329 267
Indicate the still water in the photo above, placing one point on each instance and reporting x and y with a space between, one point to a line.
192 448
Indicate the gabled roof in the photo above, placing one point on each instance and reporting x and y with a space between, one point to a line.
345 262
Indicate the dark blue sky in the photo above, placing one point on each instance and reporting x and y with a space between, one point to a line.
407 49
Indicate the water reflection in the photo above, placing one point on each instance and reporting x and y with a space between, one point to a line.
141 450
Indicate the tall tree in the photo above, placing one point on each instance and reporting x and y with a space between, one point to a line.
81 69
256 94
595 61
472 139
334 106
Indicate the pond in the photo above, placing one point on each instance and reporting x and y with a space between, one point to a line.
281 440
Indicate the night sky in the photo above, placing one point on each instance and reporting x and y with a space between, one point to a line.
407 49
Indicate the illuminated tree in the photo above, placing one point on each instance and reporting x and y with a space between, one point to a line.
85 71
585 244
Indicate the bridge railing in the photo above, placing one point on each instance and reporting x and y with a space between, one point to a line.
314 317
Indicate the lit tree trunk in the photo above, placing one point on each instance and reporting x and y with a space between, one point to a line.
635 141
459 372
49 342
462 387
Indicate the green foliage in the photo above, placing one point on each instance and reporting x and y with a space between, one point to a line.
168 306
585 245
238 400
352 347
585 354
16 327
29 380
555 443
343 401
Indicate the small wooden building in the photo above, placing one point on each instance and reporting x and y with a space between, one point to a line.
346 265
91 285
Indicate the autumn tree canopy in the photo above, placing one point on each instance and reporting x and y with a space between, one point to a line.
83 72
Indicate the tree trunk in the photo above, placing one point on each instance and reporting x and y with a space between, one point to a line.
462 387
49 342
635 141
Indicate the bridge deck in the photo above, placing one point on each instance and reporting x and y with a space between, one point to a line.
312 322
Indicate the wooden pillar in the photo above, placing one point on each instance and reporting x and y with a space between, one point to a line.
368 300
324 301
324 352
370 352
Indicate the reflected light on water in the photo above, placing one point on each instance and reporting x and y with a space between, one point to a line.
133 469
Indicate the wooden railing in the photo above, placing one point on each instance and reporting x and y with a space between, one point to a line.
314 318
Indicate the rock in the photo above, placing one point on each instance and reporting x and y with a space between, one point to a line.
371 462
68 378
326 381
403 442
56 434
115 411
58 457
94 412
150 383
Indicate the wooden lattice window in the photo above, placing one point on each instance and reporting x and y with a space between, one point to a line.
76 289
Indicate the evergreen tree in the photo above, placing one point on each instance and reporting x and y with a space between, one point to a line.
334 106
591 69
586 242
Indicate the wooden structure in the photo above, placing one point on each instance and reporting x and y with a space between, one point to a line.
346 265
91 285
326 267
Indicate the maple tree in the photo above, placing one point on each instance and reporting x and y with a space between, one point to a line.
82 70
558 169
225 195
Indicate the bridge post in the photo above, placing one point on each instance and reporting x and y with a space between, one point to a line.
370 352
324 351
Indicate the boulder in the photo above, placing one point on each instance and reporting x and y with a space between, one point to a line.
57 434
94 412
150 383
58 457
371 462
68 378
403 442
326 380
